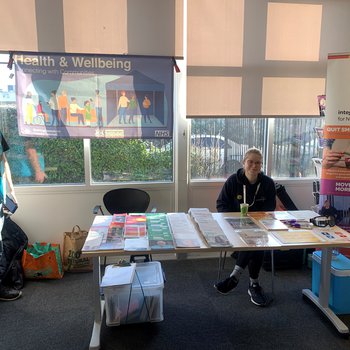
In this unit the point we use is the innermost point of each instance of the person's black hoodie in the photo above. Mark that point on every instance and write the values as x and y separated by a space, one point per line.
260 196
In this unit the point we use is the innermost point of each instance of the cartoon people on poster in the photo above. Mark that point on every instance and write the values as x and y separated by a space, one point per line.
58 108
76 111
123 103
29 109
128 105
98 108
63 106
53 103
132 109
146 104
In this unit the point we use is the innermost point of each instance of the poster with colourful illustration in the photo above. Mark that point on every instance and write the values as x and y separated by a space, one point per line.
94 96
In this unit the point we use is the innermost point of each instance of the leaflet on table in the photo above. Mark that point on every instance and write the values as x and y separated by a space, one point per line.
209 227
116 227
98 239
242 223
298 224
260 215
258 238
185 235
297 236
135 226
140 243
213 234
102 220
158 230
332 234
283 215
273 225
200 214
303 214
134 231
94 239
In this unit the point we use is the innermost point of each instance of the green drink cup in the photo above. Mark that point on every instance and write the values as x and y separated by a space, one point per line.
244 209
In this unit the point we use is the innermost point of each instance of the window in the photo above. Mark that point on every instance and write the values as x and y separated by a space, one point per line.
218 145
295 143
37 160
131 160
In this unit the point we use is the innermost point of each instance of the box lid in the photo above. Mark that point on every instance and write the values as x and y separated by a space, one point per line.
149 274
340 265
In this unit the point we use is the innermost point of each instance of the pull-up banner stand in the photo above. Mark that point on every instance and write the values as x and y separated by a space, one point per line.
336 154
335 177
88 96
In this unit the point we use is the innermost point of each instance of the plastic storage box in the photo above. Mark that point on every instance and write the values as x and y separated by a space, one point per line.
339 294
140 302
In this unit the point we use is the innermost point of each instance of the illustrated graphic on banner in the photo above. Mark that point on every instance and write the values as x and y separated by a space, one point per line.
335 177
67 95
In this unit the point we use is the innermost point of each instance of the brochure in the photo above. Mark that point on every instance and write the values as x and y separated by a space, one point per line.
273 225
296 236
242 223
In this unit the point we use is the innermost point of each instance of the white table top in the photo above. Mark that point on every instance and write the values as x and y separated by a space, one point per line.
270 242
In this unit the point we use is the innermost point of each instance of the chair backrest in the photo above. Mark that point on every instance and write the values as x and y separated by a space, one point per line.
126 200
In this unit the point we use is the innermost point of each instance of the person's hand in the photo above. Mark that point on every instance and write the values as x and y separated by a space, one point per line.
40 177
331 158
13 195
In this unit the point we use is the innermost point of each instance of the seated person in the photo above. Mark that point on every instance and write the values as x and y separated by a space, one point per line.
261 196
76 111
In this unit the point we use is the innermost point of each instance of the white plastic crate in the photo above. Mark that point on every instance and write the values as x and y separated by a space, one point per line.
140 302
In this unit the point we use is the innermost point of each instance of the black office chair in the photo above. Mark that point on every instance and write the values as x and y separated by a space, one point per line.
126 200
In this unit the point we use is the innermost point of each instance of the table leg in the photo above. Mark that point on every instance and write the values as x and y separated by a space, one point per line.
222 259
98 305
322 302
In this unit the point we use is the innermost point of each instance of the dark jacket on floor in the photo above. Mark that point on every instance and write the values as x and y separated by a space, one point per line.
14 242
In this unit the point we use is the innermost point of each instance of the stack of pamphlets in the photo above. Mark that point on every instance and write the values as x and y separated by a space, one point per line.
135 226
273 225
248 230
185 234
116 227
158 230
209 227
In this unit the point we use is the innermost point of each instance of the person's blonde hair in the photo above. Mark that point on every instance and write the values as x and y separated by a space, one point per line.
252 150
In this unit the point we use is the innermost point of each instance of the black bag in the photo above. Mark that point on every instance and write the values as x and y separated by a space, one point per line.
14 242
286 259
283 196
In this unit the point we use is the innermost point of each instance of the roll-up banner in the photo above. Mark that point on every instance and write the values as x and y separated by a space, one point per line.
335 177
